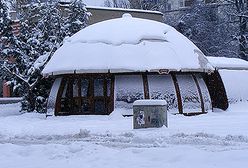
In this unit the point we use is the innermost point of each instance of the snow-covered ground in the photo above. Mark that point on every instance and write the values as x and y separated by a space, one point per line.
218 139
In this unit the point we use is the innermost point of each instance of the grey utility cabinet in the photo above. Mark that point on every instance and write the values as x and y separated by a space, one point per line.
149 113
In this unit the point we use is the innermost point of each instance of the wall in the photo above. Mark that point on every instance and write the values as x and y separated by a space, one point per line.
101 14
104 13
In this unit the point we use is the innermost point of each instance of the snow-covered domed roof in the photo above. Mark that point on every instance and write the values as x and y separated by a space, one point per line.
126 44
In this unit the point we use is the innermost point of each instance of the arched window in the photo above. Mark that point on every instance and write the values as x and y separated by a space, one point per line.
162 87
128 88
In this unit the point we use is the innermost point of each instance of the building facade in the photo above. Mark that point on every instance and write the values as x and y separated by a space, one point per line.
178 4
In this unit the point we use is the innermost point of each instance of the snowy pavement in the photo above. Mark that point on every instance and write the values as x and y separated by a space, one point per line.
218 139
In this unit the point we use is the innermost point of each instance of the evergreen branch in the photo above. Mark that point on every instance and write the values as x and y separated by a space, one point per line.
19 76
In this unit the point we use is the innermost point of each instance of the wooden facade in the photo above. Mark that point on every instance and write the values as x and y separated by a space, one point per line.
217 90
85 94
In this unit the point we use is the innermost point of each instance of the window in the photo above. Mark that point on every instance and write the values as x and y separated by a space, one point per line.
205 94
188 2
185 3
189 94
168 7
128 88
86 95
162 87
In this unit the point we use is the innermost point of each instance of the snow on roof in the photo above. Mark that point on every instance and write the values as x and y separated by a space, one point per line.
150 102
89 2
126 44
228 63
124 9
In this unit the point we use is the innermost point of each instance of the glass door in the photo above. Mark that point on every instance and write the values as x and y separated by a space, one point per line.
86 95
102 98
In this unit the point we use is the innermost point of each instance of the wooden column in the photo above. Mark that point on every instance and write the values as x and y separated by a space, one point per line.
179 98
146 88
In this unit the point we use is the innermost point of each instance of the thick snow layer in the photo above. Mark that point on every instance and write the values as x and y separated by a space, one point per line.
236 84
94 2
123 9
89 2
218 139
150 103
127 44
228 63
8 100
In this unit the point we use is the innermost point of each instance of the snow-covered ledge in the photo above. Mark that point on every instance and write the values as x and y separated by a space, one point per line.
150 102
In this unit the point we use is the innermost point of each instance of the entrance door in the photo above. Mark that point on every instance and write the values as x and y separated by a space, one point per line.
87 95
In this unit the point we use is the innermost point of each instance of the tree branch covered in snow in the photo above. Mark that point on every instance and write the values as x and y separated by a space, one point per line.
210 27
43 27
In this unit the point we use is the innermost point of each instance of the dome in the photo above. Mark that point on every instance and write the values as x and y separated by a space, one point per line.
127 44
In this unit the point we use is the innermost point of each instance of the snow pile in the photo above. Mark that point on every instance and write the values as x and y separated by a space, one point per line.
228 63
109 141
127 44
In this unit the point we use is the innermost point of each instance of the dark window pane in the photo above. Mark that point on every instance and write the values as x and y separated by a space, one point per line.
98 87
85 106
85 87
76 106
65 107
99 107
108 87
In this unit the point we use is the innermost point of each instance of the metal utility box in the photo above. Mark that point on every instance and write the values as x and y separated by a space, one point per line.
149 113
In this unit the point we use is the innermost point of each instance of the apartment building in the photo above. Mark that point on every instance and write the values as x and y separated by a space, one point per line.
180 4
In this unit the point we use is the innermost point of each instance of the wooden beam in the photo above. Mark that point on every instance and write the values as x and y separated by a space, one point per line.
179 98
145 84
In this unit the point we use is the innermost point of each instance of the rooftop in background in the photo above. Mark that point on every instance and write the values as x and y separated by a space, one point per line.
228 63
88 2
105 13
